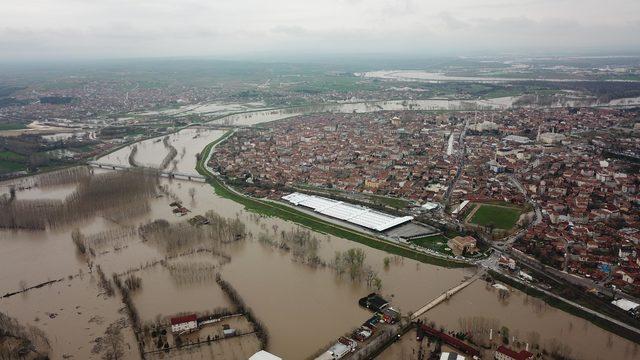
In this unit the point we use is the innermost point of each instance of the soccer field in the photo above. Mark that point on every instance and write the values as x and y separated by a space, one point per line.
501 217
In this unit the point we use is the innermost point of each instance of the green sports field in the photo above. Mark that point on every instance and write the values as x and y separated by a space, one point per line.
502 217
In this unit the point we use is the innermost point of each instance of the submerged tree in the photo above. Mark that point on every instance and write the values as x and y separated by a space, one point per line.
114 342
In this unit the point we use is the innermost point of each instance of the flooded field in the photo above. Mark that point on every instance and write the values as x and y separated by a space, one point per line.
531 321
209 109
72 315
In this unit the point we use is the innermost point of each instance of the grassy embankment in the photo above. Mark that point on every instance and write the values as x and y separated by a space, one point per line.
566 307
287 213
12 126
436 243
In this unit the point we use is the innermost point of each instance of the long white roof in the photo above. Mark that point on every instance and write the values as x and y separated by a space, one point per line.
354 214
625 304
263 355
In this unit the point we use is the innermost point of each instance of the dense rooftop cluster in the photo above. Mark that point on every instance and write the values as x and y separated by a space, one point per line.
579 166
402 154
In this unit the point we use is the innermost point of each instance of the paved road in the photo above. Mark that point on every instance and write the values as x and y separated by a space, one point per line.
463 156
446 295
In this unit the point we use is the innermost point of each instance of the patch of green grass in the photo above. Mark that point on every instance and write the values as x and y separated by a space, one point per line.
12 126
83 148
270 208
390 201
499 216
11 156
437 243
10 166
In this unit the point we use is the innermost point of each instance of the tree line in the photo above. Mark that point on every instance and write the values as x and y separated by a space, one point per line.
94 195
170 155
238 302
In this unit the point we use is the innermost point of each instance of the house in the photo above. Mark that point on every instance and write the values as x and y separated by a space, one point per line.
461 244
373 302
339 350
504 353
495 166
184 324
362 334
390 315
524 276
507 262
228 331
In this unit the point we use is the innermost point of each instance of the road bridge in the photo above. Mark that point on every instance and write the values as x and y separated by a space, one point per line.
445 295
163 173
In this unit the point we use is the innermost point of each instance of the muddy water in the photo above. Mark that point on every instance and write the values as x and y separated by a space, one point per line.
523 315
188 142
72 316
159 293
37 193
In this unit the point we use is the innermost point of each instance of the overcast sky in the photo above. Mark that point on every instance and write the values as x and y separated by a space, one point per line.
33 29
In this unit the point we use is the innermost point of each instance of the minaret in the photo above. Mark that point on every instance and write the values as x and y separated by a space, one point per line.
538 136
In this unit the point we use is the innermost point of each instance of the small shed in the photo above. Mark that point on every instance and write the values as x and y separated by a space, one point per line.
228 331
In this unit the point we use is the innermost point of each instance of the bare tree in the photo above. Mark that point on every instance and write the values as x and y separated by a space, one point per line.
114 342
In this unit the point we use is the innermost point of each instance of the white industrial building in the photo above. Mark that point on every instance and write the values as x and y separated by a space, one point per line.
263 355
354 214
625 304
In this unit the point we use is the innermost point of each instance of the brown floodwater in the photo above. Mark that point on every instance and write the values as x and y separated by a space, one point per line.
71 314
303 308
188 142
524 315
162 296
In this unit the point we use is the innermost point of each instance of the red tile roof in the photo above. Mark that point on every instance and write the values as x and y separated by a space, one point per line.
183 319
522 355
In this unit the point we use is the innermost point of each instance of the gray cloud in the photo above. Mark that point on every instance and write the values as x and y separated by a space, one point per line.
122 28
